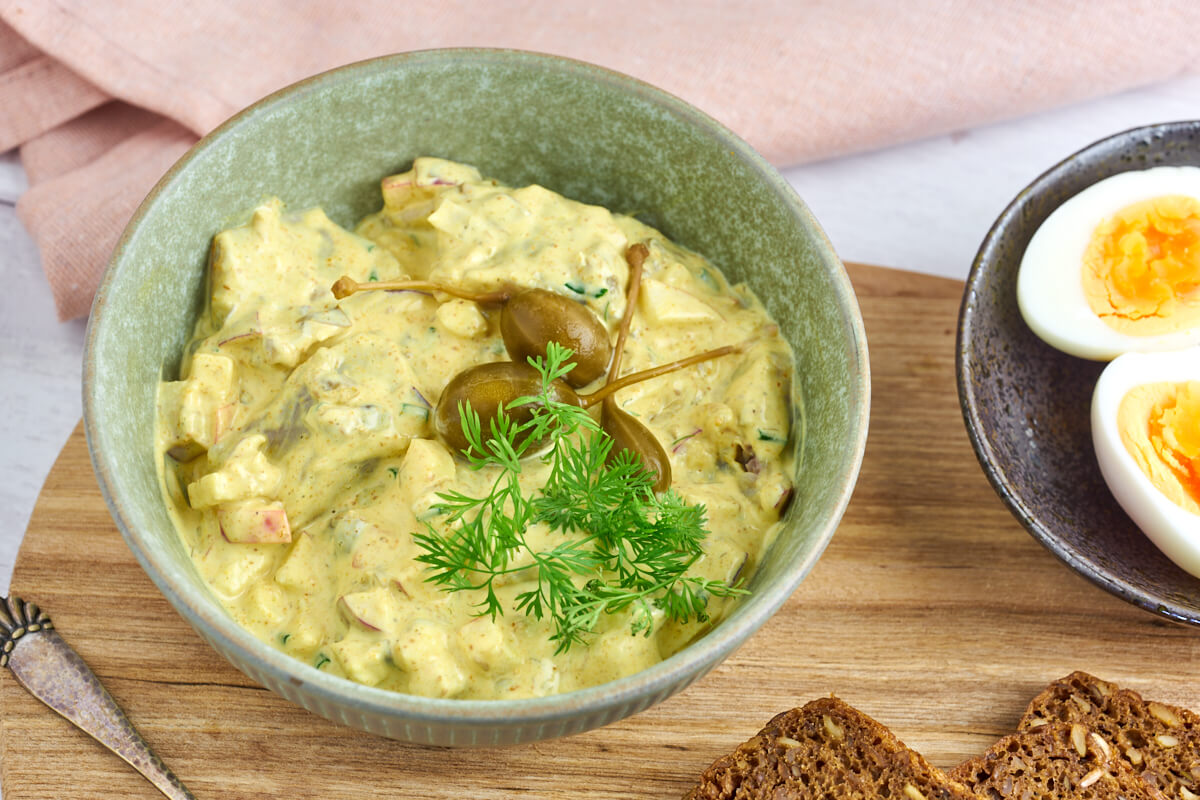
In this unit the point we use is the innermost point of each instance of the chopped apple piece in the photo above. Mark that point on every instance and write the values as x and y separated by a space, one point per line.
286 339
429 171
223 420
663 304
763 415
245 474
207 388
426 469
363 660
485 643
199 409
304 634
546 678
298 570
423 651
462 318
258 522
772 490
375 609
451 217
179 446
237 575
270 603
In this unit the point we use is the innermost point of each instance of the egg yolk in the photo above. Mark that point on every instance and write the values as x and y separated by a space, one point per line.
1160 427
1141 269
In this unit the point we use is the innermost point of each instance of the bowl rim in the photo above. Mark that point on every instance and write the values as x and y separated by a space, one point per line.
965 370
655 682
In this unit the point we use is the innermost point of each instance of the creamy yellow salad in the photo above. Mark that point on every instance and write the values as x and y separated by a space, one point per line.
300 459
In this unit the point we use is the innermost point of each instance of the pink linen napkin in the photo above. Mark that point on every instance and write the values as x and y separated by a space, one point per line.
103 97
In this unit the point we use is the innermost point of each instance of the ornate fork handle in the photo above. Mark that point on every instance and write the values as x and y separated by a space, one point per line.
55 674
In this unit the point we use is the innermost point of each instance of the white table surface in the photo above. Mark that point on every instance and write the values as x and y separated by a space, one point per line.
922 206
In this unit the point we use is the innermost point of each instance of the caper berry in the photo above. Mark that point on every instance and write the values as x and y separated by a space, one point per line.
629 434
487 388
533 318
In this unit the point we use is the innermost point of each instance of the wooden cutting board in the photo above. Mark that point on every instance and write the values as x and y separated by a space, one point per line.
931 610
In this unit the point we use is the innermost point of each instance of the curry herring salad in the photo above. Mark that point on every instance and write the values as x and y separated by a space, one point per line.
494 444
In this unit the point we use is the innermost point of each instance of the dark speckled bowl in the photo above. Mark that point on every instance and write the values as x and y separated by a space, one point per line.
587 132
1027 405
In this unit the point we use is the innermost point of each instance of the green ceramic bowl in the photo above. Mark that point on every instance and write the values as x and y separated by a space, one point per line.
593 135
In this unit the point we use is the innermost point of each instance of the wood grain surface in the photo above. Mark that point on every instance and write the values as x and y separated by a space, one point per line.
932 611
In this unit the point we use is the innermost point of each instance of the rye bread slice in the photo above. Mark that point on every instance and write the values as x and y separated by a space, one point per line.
1160 742
827 749
1053 761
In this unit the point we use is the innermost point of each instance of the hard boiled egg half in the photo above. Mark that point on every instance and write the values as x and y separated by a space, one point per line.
1116 268
1146 431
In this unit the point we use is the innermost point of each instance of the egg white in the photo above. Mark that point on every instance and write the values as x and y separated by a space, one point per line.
1172 528
1050 283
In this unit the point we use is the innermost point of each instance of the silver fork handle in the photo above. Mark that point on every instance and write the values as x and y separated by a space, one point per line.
55 674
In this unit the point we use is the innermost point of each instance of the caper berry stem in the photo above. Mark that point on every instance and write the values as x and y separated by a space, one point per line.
346 286
636 256
589 400
626 432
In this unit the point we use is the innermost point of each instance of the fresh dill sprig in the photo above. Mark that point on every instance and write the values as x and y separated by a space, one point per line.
622 546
